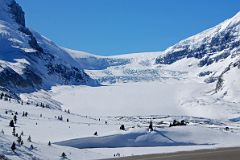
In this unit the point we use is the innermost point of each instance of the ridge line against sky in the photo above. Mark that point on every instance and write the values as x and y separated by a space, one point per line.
110 27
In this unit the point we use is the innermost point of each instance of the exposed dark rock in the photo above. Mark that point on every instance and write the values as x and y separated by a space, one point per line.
18 13
10 79
69 75
207 61
237 64
211 79
223 41
220 79
32 42
19 16
206 73
173 57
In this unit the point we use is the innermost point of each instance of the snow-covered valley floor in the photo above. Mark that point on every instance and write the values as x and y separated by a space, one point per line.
91 112
172 97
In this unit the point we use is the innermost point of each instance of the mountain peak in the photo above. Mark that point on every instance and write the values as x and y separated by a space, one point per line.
11 12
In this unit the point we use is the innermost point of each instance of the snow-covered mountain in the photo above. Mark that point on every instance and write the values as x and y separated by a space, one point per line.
200 73
29 61
196 80
217 53
211 56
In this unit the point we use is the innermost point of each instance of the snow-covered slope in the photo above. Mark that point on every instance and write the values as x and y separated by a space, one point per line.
43 126
202 72
29 61
211 56
135 67
198 77
205 56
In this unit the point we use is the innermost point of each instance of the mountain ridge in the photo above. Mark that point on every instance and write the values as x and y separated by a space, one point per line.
31 62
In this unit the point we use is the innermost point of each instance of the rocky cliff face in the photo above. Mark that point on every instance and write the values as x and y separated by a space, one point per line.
17 13
216 51
209 46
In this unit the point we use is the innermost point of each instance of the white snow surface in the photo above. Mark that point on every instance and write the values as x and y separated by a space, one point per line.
200 133
133 87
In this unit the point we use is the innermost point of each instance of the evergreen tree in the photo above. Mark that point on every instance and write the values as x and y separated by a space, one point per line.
14 131
19 140
31 147
175 122
13 147
64 155
11 124
49 143
29 139
16 135
183 123
15 119
1 96
150 126
122 127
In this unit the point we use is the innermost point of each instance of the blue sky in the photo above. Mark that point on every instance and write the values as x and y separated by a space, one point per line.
108 27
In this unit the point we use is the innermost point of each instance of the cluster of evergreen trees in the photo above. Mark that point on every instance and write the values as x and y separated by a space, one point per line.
5 97
42 105
150 127
60 118
13 124
178 123
19 139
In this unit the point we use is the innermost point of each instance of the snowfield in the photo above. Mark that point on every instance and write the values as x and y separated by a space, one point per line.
78 101
145 98
76 138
